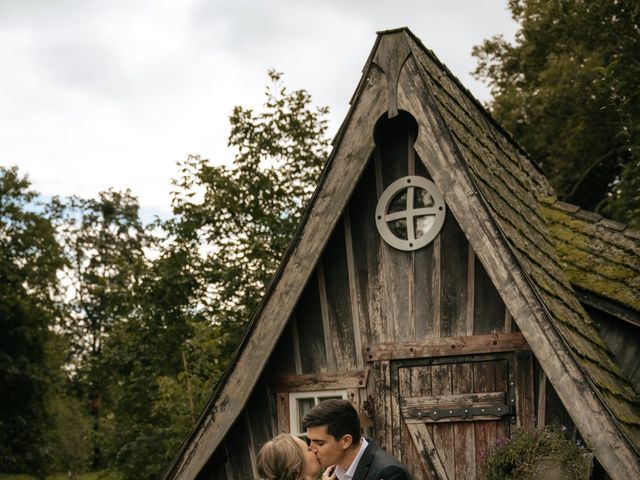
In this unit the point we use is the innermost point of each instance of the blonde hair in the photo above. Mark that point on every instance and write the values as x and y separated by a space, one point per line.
281 458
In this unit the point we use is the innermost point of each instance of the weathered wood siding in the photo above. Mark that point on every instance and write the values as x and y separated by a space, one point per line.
368 306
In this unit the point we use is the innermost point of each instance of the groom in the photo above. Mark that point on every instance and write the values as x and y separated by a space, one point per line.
333 429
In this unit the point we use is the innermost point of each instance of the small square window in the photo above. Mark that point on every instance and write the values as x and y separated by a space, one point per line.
300 403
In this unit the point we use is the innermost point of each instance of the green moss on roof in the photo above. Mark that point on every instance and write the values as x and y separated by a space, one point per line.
552 246
595 258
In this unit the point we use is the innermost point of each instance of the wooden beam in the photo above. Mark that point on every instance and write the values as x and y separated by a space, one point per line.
348 160
447 346
457 399
320 381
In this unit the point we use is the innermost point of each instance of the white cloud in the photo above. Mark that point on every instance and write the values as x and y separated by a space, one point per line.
111 94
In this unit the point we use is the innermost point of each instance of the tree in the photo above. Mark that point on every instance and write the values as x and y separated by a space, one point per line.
30 258
567 90
242 218
230 228
104 242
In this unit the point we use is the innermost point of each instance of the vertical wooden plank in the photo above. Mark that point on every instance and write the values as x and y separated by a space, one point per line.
555 412
353 395
508 321
326 324
411 300
525 406
408 452
238 449
423 273
353 290
489 309
295 340
463 432
258 415
501 375
282 358
485 432
411 153
443 434
391 141
471 289
282 408
251 446
396 417
411 170
338 302
454 278
228 467
367 255
436 281
272 402
542 397
382 404
216 466
310 329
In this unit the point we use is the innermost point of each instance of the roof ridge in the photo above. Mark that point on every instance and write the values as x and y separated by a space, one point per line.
473 99
596 218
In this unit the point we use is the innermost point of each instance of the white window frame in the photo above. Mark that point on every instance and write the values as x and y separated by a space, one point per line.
293 405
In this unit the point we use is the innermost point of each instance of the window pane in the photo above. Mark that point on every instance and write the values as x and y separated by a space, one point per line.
304 405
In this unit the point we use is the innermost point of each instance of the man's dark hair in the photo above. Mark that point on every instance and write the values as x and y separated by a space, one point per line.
338 415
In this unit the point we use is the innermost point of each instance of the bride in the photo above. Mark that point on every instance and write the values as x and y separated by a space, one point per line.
287 457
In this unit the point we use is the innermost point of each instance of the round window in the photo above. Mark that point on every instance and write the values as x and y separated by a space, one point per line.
410 213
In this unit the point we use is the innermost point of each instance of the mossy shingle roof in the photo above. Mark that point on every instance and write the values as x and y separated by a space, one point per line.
598 255
521 201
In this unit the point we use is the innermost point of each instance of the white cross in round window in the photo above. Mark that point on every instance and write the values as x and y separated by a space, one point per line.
410 213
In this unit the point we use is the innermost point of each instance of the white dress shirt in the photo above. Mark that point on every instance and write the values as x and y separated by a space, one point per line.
341 474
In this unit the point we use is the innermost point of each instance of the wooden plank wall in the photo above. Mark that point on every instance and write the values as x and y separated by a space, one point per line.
365 293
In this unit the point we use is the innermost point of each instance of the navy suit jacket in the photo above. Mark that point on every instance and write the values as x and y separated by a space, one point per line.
376 464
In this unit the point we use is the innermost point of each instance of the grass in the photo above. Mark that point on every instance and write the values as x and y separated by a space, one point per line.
101 475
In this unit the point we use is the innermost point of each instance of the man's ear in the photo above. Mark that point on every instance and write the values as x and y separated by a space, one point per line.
347 441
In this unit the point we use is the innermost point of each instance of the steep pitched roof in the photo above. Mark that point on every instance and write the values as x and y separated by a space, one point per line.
512 188
494 191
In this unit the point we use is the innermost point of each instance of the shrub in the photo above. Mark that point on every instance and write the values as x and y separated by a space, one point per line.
518 457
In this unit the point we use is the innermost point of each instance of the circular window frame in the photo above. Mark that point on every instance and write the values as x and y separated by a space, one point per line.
382 223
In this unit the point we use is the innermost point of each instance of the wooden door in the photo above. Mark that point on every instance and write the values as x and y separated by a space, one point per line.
452 414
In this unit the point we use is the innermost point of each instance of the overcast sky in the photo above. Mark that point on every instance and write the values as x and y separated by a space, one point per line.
98 94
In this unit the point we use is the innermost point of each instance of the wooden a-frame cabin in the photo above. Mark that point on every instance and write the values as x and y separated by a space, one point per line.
437 284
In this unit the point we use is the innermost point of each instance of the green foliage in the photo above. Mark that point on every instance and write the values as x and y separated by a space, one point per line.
98 475
143 341
104 242
230 228
567 91
517 457
242 218
70 435
30 257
